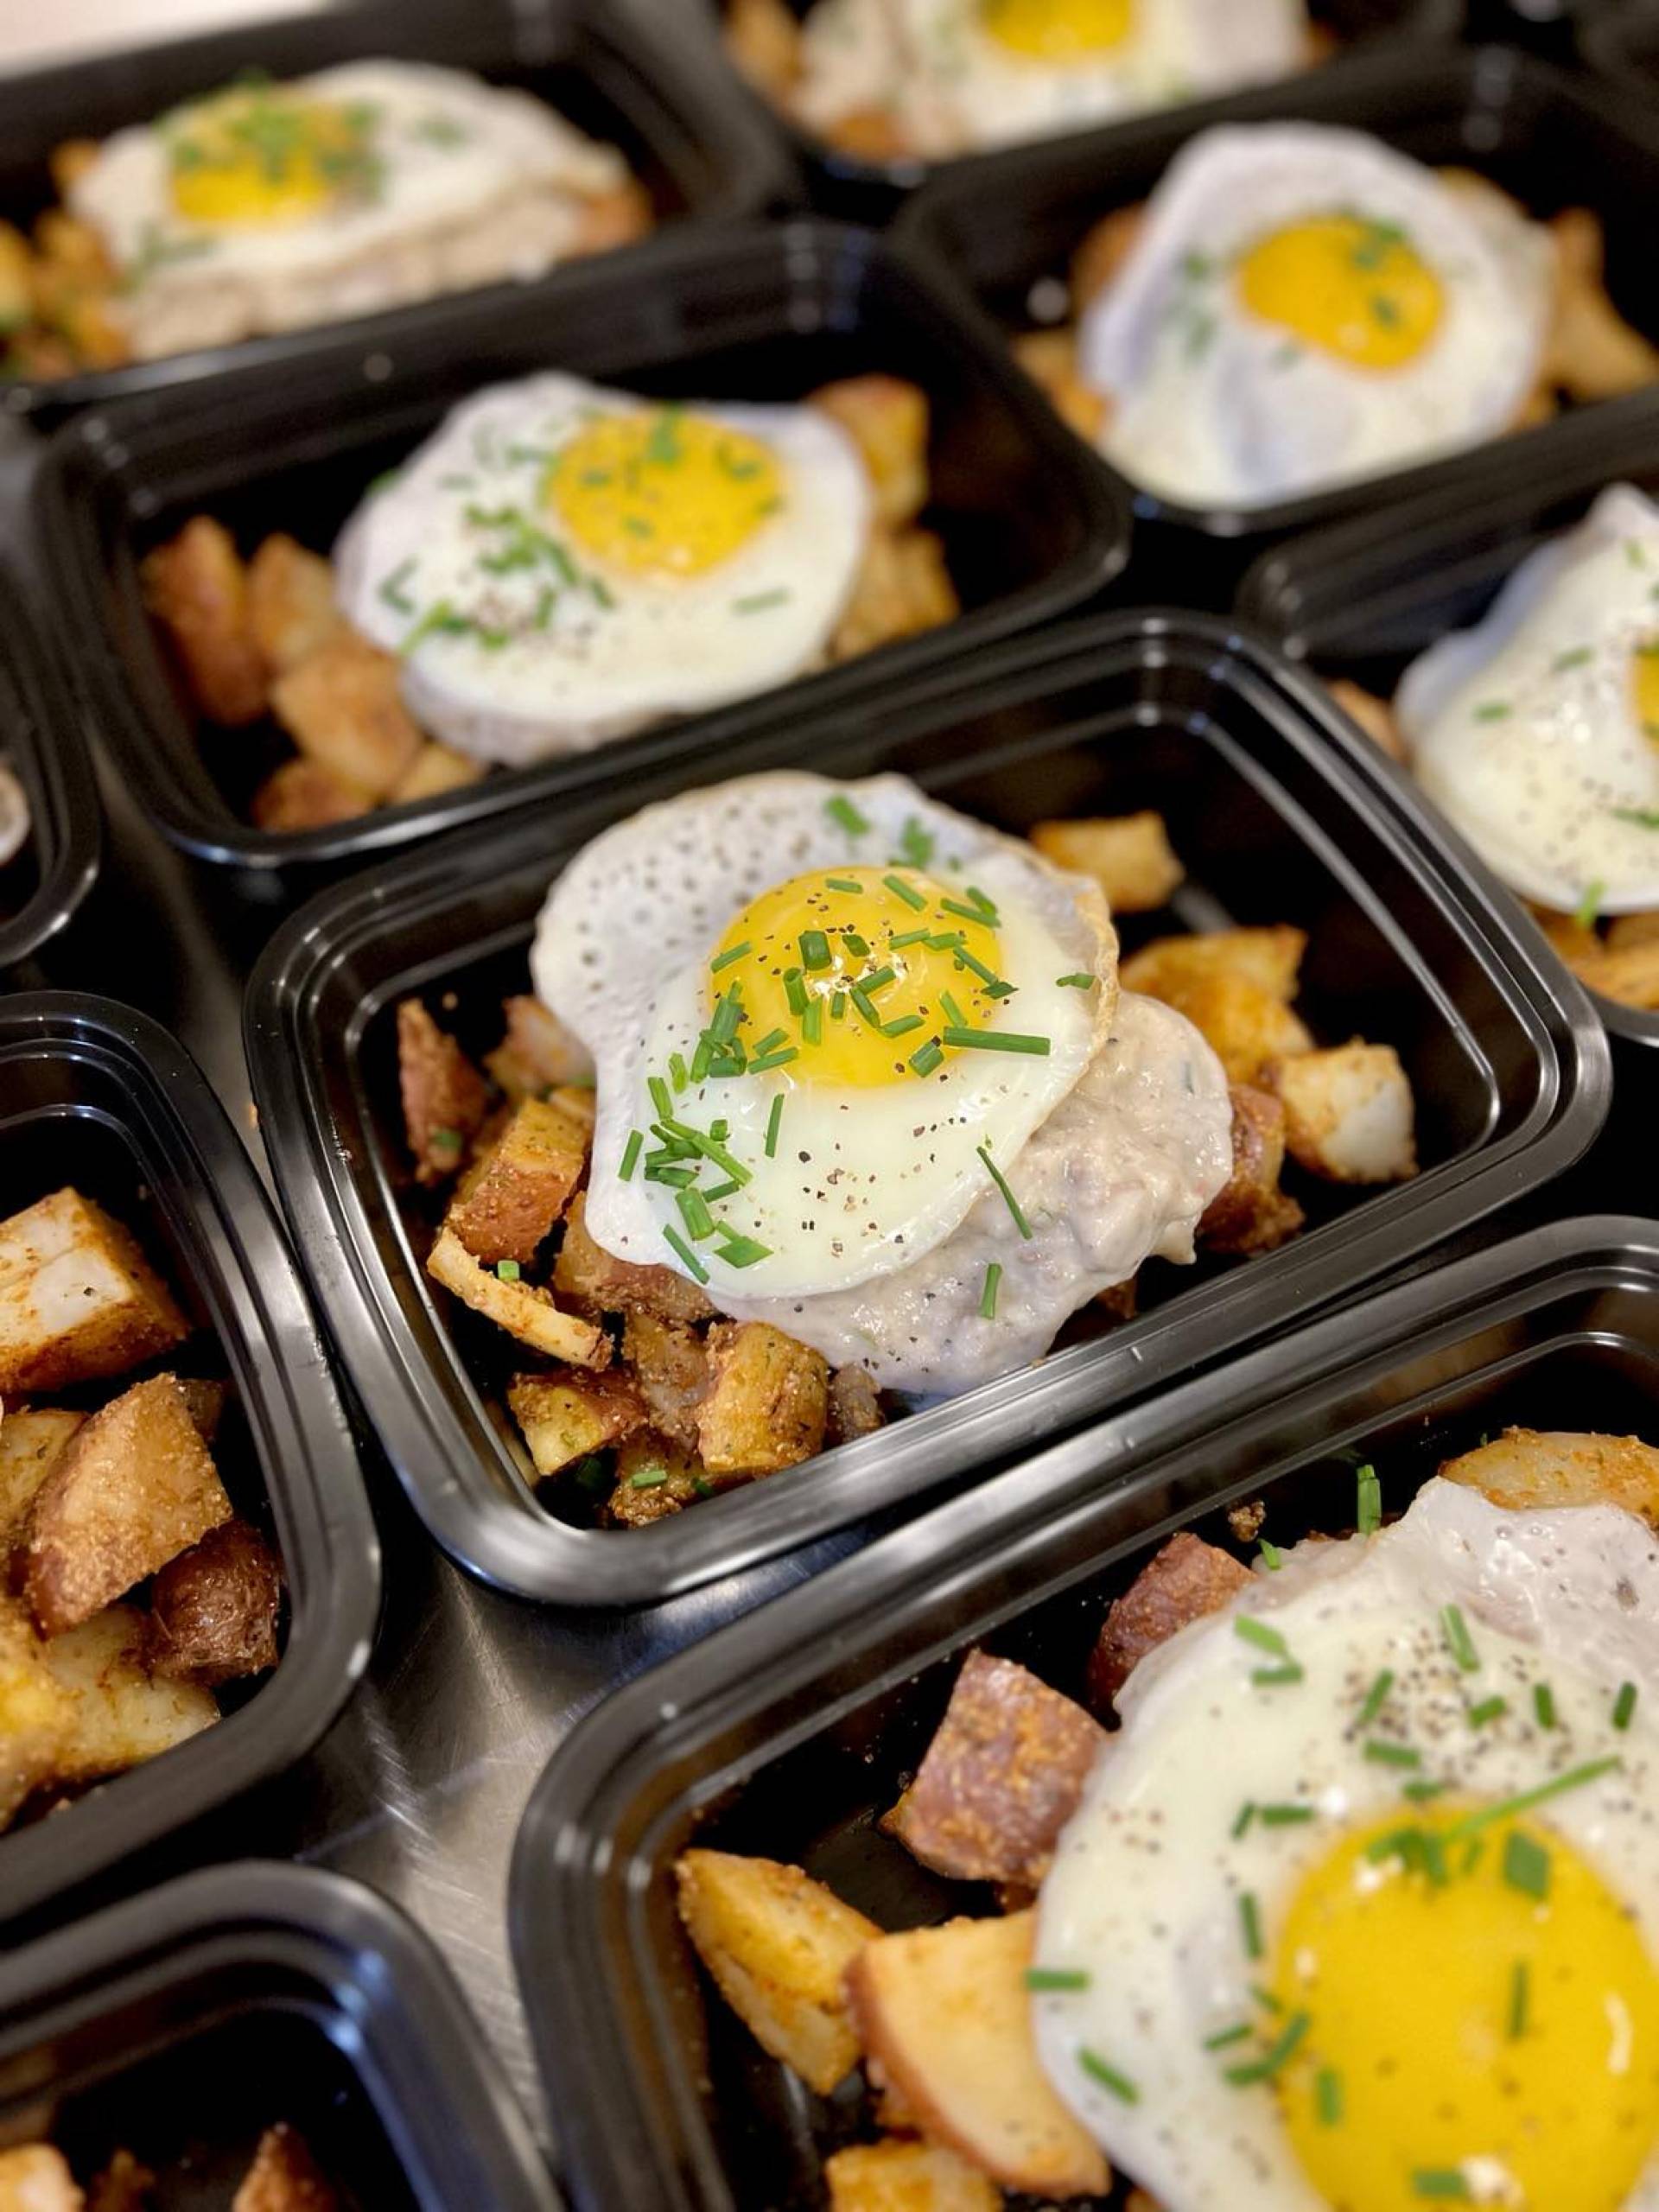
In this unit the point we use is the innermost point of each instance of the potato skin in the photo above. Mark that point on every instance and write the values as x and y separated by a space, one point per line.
213 1611
444 1096
1534 1470
1182 1582
586 1276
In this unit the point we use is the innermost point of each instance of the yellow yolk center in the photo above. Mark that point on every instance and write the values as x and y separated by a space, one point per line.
1644 688
259 157
1353 288
856 976
665 495
1059 30
1459 2023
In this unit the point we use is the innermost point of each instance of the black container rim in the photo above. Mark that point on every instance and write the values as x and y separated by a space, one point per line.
689 257
43 734
517 1548
671 69
308 1459
1337 566
439 2094
1620 38
1323 95
806 1655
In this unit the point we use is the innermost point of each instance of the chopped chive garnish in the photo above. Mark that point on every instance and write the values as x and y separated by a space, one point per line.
1328 2096
864 1005
683 1252
1273 1678
1250 1925
1272 1558
728 1013
842 811
1458 1641
756 602
391 587
1001 1183
1489 1709
953 1012
907 936
651 1477
815 950
1223 2037
916 844
1526 1865
720 1131
659 1097
987 1296
927 1059
1368 1508
1246 1814
1420 1792
795 992
996 987
903 1026
743 1251
694 1212
1472 1853
986 920
987 907
722 1189
1624 1705
1543 1704
677 1072
812 1022
1590 905
855 945
838 1006
1251 1630
843 883
871 984
770 1042
1381 1752
1519 1991
1077 982
1283 1816
997 1040
758 1067
1449 2182
1276 2058
901 889
1057 1978
1108 2077
1492 710
725 959
1375 1697
1576 659
631 1152
507 1270
445 1140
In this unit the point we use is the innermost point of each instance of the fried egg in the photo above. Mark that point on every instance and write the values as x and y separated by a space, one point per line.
958 74
560 564
1305 306
838 1029
266 207
1361 1906
1537 731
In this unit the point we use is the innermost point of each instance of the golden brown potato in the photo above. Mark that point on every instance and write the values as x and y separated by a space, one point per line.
302 794
537 1052
894 2175
36 2178
1244 1026
566 1415
1129 856
197 588
613 219
1100 258
1182 1582
1626 931
1374 716
121 1714
1250 1213
523 1309
587 1277
16 293
291 610
1530 1469
1628 973
853 1407
1349 1113
1269 959
213 1611
671 1370
77 1299
766 1402
444 1096
1593 352
435 769
764 40
284 2177
341 705
69 162
655 1477
133 1488
886 419
778 1945
513 1193
30 1445
36 1715
944 2012
123 2186
903 587
869 134
1001 1778
1049 358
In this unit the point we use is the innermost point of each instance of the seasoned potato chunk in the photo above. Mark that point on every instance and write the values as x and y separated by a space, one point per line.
1129 856
121 1714
778 1945
766 1402
612 219
564 1416
655 1477
522 1309
763 39
1593 352
213 1611
944 2012
886 420
903 587
36 2178
1182 1582
133 1488
197 588
16 293
36 1715
1531 1470
1349 1113
1374 716
123 2185
304 794
434 769
853 1406
284 2177
538 1052
1250 1213
1270 959
444 1096
894 2175
291 608
513 1193
342 706
592 1281
1104 250
671 1370
30 1445
1245 1026
1049 358
77 1299
1002 1776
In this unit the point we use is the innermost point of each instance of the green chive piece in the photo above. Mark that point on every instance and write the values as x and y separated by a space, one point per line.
901 889
683 1252
903 1026
391 587
1375 1697
1420 1792
916 844
1624 1705
864 1005
775 1060
1489 1709
838 1006
856 945
1543 1704
1284 1816
1526 1865
1369 1502
1520 1990
677 1071
953 1012
871 984
694 1212
987 907
1250 1925
1272 1557
986 920
1108 2077
815 950
1057 1978
1328 2096
649 1478
1458 1641
1492 710
795 992
1078 983
771 1041
1265 1999
997 1040
1590 905
907 936
1276 2058
631 1155
507 1270
844 883
812 1023
1251 1630
927 1059
756 602
995 986
722 1190
842 811
1001 1183
659 1097
1445 2182
1379 1753
1273 1678
1576 659
742 1251
1471 1855
725 959
446 1140
1246 1815
1223 2037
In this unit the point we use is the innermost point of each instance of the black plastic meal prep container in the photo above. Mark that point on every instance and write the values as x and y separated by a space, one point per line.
1005 223
619 70
41 890
1280 812
791 1732
870 191
1621 39
764 313
1352 601
179 2027
95 1096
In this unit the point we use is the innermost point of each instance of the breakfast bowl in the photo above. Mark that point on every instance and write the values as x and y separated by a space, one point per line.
437 1137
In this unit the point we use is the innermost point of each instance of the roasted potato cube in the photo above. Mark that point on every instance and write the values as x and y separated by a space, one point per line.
213 1611
1049 358
766 1402
1628 972
945 2013
77 1299
291 608
197 588
672 1373
613 219
435 769
121 1715
778 1945
869 134
36 1715
1627 931
1246 1027
445 1098
30 1445
341 705
538 1053
853 1407
1250 1213
69 162
522 1309
133 1488
36 2178
1105 248
1374 716
894 2175
512 1196
886 420
16 291
565 1416
1349 1113
1593 352
123 2186
655 1477
1184 1581
1129 856
764 40
284 2177
587 1276
302 794
903 587
1001 1778
1534 1470
1269 959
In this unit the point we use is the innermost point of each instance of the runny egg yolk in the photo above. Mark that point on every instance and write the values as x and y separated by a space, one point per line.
259 157
1059 30
669 495
1487 2030
1355 289
858 970
1644 688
